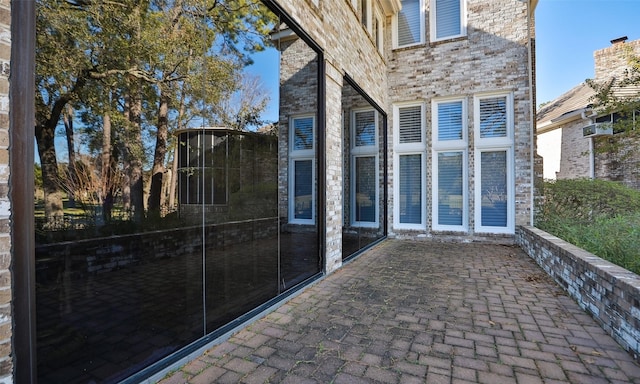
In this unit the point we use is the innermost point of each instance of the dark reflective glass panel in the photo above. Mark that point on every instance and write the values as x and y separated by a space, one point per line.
170 225
363 171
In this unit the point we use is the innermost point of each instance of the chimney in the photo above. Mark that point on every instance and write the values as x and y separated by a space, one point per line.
619 40
612 61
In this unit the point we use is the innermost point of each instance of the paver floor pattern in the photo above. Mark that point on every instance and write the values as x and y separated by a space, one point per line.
422 312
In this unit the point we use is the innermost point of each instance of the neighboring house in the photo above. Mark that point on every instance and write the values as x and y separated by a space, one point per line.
584 131
398 118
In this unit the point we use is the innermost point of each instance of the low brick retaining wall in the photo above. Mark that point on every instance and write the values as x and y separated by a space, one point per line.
611 294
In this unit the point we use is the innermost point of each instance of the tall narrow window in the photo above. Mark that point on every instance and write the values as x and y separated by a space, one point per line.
450 197
365 14
364 162
409 155
302 171
494 189
409 24
447 19
378 31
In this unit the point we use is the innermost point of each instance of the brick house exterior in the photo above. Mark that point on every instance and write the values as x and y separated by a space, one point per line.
464 100
491 56
580 156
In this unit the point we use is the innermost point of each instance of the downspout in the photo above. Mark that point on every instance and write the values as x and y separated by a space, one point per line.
532 114
592 159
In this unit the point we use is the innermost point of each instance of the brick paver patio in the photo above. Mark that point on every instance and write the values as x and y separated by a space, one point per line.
422 312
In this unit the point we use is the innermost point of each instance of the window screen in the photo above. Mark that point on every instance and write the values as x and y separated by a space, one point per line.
450 121
410 191
409 23
448 21
493 117
493 183
450 188
410 125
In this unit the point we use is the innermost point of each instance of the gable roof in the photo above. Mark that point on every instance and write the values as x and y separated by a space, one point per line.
567 107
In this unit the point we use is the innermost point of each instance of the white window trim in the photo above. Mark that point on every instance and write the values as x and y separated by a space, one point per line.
450 146
432 22
464 227
493 141
510 228
379 38
489 145
301 155
409 149
394 34
367 24
364 151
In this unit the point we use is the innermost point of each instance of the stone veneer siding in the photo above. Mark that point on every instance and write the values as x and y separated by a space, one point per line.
6 313
611 294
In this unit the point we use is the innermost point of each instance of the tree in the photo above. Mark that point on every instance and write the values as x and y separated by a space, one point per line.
146 67
620 96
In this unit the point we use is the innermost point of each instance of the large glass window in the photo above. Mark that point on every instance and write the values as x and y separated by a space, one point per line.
494 185
365 168
450 196
409 156
447 19
409 24
364 171
163 192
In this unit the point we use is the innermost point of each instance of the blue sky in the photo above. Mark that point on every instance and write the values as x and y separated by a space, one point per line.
567 34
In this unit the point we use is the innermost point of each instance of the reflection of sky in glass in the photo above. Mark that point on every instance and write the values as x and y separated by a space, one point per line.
365 129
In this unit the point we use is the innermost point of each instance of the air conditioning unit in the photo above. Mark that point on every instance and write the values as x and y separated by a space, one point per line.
597 129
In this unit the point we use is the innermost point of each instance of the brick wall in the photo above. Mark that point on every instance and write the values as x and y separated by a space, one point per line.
612 61
492 57
609 293
574 152
6 364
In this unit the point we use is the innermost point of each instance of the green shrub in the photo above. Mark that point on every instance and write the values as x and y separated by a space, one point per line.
601 217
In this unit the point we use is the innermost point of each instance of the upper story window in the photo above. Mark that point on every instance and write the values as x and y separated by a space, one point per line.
377 31
447 19
409 24
365 14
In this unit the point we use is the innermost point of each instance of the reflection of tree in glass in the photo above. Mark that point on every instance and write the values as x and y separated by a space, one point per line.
134 71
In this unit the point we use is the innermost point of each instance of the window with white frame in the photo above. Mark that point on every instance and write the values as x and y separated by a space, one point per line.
409 23
447 19
409 158
364 168
302 170
365 14
450 197
378 30
494 164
